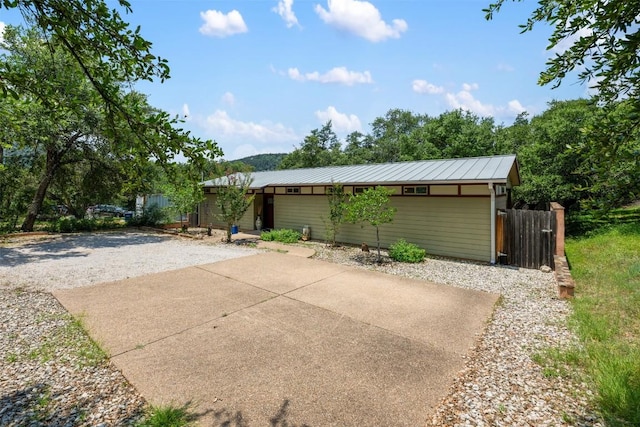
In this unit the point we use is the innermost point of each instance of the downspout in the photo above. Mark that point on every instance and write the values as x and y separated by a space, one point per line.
493 223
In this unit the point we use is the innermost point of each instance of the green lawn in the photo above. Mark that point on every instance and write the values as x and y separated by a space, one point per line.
606 268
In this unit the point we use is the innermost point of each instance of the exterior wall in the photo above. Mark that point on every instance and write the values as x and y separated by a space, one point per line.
448 226
209 212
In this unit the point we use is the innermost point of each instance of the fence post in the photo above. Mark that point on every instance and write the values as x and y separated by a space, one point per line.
559 210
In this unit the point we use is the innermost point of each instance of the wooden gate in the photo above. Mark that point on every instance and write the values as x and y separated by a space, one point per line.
526 238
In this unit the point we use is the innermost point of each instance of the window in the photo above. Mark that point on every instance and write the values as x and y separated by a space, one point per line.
293 190
360 190
419 190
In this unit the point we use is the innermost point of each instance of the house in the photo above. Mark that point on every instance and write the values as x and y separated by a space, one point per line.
447 207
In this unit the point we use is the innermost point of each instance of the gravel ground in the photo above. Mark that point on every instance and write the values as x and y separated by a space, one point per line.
61 385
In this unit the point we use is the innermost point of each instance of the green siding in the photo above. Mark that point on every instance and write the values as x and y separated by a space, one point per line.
209 215
449 226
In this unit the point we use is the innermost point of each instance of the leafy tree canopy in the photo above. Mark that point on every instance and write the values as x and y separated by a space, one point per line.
598 38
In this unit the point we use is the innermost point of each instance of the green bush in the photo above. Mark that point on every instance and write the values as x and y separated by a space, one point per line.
406 252
152 216
72 225
283 235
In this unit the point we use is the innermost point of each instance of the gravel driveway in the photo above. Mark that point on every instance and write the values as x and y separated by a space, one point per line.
85 259
501 385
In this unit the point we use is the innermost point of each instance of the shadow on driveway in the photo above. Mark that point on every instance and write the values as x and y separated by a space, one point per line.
73 245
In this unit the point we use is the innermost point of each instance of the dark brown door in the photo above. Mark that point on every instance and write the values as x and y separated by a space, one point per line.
267 221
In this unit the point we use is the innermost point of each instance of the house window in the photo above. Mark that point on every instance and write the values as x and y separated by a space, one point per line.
360 190
418 190
293 190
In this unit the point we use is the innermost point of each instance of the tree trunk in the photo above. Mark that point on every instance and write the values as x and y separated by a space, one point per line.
38 197
229 225
54 161
378 239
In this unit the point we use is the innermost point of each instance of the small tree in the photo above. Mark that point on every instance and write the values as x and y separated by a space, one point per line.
232 199
337 211
371 206
184 198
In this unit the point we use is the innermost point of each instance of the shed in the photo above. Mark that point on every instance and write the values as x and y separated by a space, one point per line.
447 207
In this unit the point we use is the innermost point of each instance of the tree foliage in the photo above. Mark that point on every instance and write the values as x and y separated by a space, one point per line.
232 199
59 119
600 39
371 207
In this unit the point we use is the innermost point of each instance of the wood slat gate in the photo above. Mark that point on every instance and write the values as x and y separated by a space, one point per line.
526 238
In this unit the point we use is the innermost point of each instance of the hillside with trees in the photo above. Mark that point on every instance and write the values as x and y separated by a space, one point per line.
263 162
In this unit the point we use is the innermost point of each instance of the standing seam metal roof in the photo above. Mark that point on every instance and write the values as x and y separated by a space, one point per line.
495 169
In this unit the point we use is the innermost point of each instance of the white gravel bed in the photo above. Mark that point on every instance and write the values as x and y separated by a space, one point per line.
85 259
500 385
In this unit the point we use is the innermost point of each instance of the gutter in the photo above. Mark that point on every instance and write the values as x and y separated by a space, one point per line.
493 223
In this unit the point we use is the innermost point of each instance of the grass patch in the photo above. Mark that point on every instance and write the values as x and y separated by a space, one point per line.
283 235
606 268
70 334
167 416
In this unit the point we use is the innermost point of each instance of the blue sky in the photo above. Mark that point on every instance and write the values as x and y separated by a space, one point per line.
257 76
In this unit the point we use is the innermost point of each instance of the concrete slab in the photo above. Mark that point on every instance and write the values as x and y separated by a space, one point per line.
326 369
278 337
439 315
132 313
275 272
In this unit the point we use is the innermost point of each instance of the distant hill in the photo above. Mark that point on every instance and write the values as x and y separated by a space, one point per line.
263 162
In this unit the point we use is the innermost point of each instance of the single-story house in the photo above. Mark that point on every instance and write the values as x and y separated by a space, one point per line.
447 207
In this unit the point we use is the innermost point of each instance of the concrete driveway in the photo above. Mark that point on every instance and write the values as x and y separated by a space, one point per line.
274 339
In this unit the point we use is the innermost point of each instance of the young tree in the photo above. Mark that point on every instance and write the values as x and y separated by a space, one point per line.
372 206
232 199
337 199
183 193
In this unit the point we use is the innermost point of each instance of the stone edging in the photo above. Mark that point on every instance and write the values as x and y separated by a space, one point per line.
565 282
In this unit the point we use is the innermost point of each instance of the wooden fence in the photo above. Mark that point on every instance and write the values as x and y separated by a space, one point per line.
526 238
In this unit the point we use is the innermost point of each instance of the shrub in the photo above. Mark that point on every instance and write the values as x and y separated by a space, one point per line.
406 252
73 225
283 235
152 216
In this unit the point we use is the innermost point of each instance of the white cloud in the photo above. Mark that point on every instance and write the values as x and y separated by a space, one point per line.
185 111
221 126
336 75
342 123
218 24
423 86
565 44
465 100
360 18
285 10
505 67
228 99
2 26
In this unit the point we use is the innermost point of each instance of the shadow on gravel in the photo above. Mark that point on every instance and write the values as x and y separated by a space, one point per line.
37 405
77 245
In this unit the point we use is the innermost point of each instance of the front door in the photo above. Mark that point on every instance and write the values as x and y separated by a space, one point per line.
267 221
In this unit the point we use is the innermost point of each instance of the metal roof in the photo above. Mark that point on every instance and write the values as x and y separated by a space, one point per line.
495 169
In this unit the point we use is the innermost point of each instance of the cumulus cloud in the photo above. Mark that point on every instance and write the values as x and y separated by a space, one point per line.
222 126
342 123
339 75
285 10
465 100
360 18
217 24
423 86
